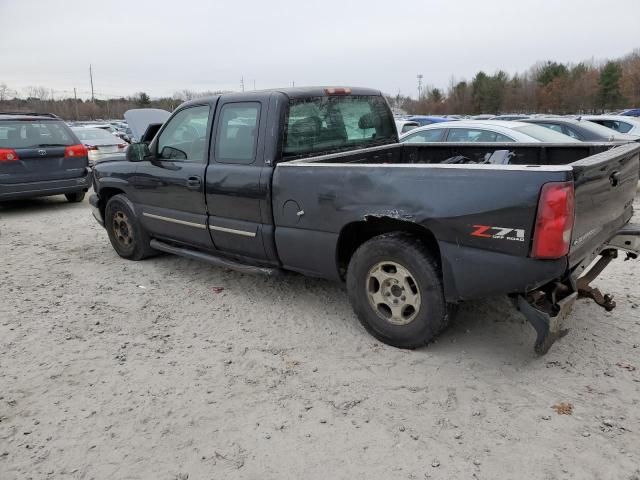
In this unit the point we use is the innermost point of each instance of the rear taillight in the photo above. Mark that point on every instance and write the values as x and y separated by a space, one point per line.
122 146
75 151
8 155
554 221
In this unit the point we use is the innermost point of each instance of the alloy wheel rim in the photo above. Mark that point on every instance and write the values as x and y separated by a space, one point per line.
393 293
122 229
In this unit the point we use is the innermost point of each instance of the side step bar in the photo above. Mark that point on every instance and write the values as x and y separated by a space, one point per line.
212 259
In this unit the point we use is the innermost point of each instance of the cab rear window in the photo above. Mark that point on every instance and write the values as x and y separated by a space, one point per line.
320 125
34 133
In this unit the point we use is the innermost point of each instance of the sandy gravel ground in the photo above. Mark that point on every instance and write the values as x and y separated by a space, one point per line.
112 369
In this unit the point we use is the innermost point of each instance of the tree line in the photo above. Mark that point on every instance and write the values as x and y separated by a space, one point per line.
41 100
547 87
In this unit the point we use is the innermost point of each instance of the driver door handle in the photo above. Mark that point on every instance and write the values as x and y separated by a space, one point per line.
194 182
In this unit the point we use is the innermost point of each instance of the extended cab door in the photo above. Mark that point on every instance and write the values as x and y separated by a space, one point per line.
170 185
238 181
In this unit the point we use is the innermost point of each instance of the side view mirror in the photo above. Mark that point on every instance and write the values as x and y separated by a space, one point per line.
137 152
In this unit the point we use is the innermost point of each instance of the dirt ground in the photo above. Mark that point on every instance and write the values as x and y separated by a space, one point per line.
112 369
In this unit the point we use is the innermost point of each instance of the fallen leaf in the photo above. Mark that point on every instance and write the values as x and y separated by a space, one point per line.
626 366
563 408
217 289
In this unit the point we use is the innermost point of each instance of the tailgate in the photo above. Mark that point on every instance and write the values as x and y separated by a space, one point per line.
605 186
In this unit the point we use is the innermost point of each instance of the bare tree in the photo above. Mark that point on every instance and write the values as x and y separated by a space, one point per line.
4 92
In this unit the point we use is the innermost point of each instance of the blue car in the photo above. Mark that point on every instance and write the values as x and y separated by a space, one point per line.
632 112
428 120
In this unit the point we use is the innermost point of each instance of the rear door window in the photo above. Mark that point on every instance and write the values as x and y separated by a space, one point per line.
237 133
432 135
463 135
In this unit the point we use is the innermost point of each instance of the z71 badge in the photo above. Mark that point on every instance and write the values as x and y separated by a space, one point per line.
499 233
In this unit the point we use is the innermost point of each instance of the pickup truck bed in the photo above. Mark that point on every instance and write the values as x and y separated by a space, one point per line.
314 181
352 190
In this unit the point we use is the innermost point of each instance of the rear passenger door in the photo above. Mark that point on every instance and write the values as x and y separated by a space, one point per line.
237 180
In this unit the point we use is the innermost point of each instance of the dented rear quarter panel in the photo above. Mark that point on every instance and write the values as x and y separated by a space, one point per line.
449 201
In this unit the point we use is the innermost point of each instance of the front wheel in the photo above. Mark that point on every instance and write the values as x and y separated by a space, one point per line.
127 236
396 291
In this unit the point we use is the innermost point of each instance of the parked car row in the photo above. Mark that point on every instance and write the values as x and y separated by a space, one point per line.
520 128
623 126
484 131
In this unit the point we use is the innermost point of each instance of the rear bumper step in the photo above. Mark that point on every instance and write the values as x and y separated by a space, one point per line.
627 239
212 259
547 307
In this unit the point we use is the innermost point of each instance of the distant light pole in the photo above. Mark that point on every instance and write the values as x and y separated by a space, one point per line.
75 97
91 78
419 86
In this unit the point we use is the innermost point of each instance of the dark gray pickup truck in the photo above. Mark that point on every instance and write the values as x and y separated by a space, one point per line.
313 180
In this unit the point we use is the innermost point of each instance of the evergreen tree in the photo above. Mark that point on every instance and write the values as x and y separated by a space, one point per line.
609 86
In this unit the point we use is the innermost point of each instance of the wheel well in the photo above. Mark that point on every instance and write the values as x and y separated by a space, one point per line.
355 234
105 194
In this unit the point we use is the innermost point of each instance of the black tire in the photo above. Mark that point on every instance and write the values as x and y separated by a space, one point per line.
406 252
75 197
127 236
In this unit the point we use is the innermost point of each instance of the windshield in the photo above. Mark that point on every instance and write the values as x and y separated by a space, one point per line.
600 130
544 134
320 125
95 134
34 133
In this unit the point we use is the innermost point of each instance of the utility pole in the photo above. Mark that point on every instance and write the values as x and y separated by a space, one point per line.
419 86
254 84
75 96
242 83
91 78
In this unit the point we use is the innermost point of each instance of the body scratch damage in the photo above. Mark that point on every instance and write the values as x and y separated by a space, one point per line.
392 214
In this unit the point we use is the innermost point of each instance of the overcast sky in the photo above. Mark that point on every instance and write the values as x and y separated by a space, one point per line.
164 46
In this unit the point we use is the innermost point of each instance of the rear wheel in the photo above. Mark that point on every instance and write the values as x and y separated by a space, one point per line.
75 197
396 291
127 236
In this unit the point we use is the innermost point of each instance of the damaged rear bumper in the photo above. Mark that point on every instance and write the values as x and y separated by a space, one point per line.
547 308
